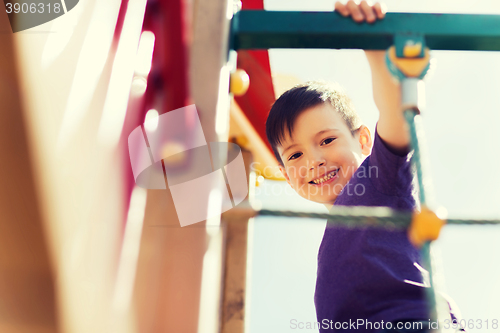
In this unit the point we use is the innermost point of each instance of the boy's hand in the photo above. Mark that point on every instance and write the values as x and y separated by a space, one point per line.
391 126
361 12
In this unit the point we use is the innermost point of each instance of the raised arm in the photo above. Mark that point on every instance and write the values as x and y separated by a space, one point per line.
392 126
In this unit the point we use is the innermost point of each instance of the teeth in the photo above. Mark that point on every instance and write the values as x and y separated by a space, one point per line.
325 178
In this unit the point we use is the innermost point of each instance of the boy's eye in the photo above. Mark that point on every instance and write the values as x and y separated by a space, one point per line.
297 155
327 141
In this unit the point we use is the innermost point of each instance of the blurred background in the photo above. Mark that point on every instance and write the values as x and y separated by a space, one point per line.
83 249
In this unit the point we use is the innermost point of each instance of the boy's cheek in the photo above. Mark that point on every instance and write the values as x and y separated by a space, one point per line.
298 173
285 174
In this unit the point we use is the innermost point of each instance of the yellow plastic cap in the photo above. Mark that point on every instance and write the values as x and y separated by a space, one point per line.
239 83
425 226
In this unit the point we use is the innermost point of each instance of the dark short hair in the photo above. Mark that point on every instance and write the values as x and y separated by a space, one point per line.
293 102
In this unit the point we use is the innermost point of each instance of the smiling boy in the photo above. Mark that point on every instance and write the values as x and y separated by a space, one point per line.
325 141
328 156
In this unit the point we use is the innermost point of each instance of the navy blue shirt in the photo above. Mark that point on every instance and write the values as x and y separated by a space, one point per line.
371 274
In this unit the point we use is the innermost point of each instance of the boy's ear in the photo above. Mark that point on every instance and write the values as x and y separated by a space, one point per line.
365 140
283 171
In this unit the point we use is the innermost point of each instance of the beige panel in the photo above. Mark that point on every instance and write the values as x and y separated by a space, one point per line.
209 80
65 67
169 274
235 264
27 301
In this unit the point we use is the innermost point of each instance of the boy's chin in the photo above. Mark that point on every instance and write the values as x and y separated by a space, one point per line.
323 195
321 199
327 201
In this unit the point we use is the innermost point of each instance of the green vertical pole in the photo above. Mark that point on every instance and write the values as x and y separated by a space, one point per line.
416 137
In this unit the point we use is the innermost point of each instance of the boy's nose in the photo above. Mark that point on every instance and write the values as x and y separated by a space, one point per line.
315 164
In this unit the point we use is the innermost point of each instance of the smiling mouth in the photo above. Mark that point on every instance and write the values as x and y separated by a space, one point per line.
327 178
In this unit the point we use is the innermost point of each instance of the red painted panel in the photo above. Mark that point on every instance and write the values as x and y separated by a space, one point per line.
257 102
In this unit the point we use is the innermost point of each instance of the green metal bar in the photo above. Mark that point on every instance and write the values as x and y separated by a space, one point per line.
258 29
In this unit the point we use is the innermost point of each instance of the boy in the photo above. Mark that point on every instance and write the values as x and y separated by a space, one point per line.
366 278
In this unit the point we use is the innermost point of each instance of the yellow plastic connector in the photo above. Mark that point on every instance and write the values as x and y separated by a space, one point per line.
410 67
412 50
239 83
425 226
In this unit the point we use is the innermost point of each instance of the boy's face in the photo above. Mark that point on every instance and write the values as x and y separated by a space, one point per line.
322 146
